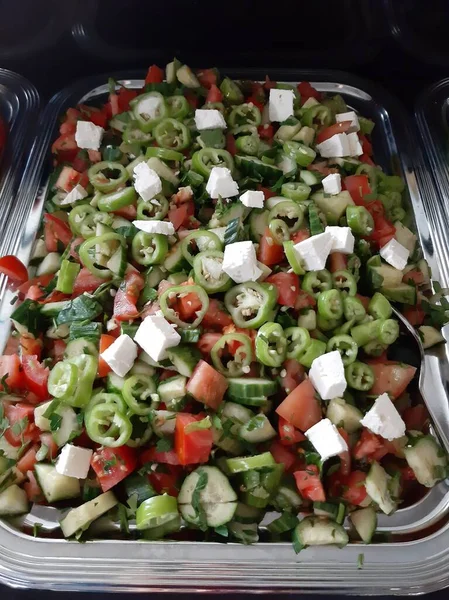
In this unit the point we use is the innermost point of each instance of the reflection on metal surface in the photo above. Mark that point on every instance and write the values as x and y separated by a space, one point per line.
416 557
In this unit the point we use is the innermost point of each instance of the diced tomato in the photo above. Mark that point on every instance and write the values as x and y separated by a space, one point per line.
86 282
125 95
166 480
322 168
192 447
416 417
384 230
216 317
214 94
191 98
282 455
54 296
207 385
288 288
188 306
58 350
364 158
207 78
288 435
328 132
367 147
307 91
36 376
55 230
127 212
369 445
233 346
294 374
69 178
111 465
309 484
169 457
155 75
337 261
365 300
41 281
30 345
112 107
126 297
80 162
266 132
301 407
358 186
47 439
10 367
207 341
14 269
74 248
414 277
23 414
12 346
178 215
350 487
28 460
95 115
65 148
414 314
269 85
392 378
32 489
257 101
230 144
103 367
301 235
94 155
266 191
304 300
269 252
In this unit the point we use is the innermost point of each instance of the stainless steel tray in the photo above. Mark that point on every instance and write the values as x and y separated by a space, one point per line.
416 557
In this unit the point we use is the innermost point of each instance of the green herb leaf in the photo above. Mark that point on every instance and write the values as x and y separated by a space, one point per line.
360 561
198 425
55 421
233 232
36 529
256 422
222 530
165 444
83 308
3 383
123 518
196 500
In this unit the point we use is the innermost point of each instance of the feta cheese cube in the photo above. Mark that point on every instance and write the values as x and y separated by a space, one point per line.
336 146
209 119
349 116
326 439
74 461
147 182
332 184
395 254
155 335
220 183
212 267
355 147
342 239
252 199
280 105
150 107
314 251
121 355
287 164
78 193
240 262
383 419
88 135
327 375
161 227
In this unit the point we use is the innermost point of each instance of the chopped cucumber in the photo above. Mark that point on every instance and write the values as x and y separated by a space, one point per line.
80 518
405 237
80 346
336 512
185 76
258 222
333 207
313 531
52 309
69 426
13 501
55 486
248 514
377 488
257 430
430 336
172 389
50 264
164 422
247 533
427 459
184 358
365 523
251 387
114 383
344 415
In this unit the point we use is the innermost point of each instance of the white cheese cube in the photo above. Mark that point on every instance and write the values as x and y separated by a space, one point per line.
155 335
252 199
209 119
147 182
383 419
88 135
355 147
280 106
314 251
287 164
161 227
332 184
342 239
78 193
395 254
349 116
121 355
240 262
327 375
326 439
150 107
212 267
220 183
336 146
74 461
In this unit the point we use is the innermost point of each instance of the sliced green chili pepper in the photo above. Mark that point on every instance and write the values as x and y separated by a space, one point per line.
258 487
379 307
170 297
136 392
359 376
353 266
397 213
141 431
117 200
279 231
148 210
149 248
134 135
290 212
374 348
353 308
324 324
248 144
107 176
245 114
66 276
271 345
149 109
294 260
106 398
389 331
345 282
251 304
346 346
164 154
315 282
296 190
106 426
87 370
238 360
205 159
62 380
298 339
372 173
206 266
172 134
345 329
178 107
232 94
366 332
300 153
314 349
78 216
157 512
330 304
318 114
359 220
89 251
199 241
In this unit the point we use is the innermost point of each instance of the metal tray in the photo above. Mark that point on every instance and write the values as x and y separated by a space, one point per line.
19 102
416 557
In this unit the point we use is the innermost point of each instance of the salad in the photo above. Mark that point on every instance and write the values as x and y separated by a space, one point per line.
204 337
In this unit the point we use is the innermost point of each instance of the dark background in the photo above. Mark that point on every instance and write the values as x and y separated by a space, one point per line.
401 44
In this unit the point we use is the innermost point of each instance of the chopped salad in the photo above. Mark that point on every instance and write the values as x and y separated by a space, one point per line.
203 337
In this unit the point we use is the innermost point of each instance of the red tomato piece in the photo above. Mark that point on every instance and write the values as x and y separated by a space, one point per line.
56 231
95 115
47 439
192 447
188 306
32 489
69 178
10 368
367 147
416 417
301 235
127 212
125 96
152 455
103 367
392 378
266 132
257 101
350 487
288 288
282 455
155 75
369 446
58 350
307 91
301 407
304 300
30 346
65 148
294 374
230 144
28 460
332 130
126 297
414 277
309 484
365 300
166 481
358 186
24 414
235 345
270 253
36 376
364 158
337 261
267 192
207 385
216 317
86 282
41 281
207 341
177 216
208 78
288 435
14 269
111 465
